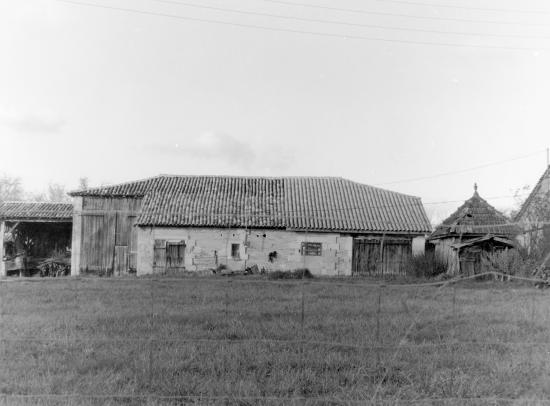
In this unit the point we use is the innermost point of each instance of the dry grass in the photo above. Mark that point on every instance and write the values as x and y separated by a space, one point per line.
92 337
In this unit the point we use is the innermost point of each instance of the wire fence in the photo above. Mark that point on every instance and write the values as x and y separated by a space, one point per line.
250 340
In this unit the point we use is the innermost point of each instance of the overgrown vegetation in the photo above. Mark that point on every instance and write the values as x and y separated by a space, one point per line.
235 342
427 265
302 273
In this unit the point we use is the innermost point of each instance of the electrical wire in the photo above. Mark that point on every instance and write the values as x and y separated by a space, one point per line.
345 23
503 10
295 31
382 13
460 170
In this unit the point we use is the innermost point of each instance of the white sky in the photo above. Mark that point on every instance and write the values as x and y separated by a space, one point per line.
116 96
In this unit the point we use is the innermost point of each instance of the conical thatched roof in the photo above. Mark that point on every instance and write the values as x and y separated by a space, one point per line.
475 217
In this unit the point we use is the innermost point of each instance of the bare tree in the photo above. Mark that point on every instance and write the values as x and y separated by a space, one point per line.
83 183
57 193
36 197
10 188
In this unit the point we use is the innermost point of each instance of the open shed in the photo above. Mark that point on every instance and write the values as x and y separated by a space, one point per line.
477 255
471 235
31 232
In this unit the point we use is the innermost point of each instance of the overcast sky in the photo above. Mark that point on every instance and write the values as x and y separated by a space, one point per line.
116 95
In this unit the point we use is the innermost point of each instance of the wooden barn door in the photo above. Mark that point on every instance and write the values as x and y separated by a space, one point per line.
366 257
125 243
97 252
380 257
396 255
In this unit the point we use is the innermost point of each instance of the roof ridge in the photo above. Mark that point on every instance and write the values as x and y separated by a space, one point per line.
34 202
251 176
70 193
535 191
382 189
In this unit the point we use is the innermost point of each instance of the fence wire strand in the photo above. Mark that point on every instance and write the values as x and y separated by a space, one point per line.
376 346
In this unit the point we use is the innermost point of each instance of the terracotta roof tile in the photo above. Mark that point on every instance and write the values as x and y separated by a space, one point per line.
475 217
19 211
522 214
299 203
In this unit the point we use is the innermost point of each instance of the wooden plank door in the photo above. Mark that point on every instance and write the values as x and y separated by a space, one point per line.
121 260
97 252
366 257
396 255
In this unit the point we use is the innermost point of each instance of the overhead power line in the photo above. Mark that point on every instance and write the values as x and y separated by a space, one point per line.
296 31
460 170
501 10
382 13
346 23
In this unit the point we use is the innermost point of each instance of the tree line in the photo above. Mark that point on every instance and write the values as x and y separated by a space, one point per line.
11 189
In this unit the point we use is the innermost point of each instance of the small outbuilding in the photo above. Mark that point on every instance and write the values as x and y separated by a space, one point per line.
32 232
470 237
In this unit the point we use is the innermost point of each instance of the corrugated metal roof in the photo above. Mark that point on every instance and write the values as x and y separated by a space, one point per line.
475 217
312 203
19 211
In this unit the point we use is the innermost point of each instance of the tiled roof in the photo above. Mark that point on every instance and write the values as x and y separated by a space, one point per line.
134 188
299 203
19 211
481 240
532 196
475 217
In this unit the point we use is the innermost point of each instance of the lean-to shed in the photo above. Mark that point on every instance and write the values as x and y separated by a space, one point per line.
31 232
474 231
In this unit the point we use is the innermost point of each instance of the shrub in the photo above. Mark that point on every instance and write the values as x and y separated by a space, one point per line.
220 268
509 262
427 265
296 274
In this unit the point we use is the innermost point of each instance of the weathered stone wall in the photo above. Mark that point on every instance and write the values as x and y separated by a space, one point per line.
206 248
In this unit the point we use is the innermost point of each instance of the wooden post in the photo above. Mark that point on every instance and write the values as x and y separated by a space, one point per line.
453 349
3 271
302 320
378 313
381 255
151 337
76 239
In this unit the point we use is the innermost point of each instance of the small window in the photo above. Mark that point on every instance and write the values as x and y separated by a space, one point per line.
311 248
236 251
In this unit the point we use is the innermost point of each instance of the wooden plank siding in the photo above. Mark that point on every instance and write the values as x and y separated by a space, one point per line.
108 236
383 256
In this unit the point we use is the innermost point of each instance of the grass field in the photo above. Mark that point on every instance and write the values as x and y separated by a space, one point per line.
245 341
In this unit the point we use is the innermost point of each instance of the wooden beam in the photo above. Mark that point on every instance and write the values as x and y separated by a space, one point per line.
3 272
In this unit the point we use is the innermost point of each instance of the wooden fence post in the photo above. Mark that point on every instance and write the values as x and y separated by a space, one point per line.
378 313
3 271
151 337
454 344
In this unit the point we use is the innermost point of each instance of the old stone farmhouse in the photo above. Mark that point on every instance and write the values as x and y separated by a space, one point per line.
332 226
